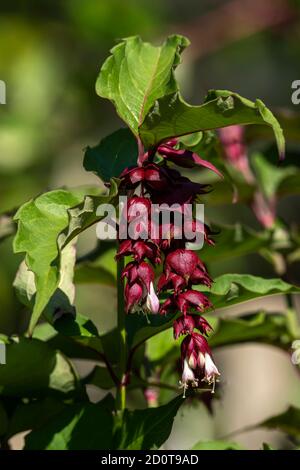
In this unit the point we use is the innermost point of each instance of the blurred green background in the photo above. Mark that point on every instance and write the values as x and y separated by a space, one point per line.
50 55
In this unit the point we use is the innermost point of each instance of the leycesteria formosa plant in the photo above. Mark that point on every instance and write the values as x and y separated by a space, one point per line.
154 180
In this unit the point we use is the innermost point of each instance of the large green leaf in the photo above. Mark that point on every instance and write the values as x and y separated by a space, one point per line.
43 231
226 290
114 153
61 302
148 429
139 328
81 329
275 329
267 328
171 116
24 285
230 289
137 73
79 427
39 223
71 333
32 368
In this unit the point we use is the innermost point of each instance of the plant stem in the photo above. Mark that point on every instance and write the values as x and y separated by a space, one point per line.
121 389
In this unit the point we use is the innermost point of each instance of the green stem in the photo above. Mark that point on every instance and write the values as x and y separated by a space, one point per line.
121 388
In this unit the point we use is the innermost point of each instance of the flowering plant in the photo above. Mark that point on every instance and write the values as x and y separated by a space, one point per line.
164 164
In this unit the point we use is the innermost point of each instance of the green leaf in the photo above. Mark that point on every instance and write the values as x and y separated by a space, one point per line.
171 116
191 141
39 223
100 377
275 329
137 73
288 422
79 427
81 329
79 337
33 415
261 327
148 429
216 445
24 285
32 368
112 155
43 232
62 299
229 289
139 328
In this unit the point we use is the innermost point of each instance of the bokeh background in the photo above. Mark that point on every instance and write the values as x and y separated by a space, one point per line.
50 55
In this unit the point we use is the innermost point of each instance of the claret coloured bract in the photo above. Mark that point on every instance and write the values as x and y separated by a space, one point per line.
172 292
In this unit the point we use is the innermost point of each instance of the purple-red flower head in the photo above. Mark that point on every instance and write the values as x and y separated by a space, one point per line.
187 264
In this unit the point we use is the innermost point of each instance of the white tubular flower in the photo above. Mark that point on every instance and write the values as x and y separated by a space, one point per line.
187 378
211 371
152 301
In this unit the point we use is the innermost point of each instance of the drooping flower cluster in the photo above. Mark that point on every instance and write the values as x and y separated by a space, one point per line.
152 187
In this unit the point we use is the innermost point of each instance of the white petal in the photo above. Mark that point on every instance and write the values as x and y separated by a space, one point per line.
187 373
211 370
152 301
